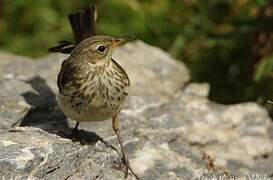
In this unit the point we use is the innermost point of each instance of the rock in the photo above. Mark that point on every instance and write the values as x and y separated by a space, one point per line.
170 129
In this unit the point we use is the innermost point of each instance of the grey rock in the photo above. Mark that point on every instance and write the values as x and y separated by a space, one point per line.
169 127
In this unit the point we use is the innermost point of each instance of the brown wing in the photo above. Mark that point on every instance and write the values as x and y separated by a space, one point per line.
65 75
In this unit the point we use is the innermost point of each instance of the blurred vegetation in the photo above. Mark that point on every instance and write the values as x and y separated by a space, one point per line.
228 43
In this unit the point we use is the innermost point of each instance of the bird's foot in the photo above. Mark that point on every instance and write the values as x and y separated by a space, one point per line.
75 136
125 166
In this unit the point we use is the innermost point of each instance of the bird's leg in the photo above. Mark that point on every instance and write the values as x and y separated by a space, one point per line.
125 161
75 131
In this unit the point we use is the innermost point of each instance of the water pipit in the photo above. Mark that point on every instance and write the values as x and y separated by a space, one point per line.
93 86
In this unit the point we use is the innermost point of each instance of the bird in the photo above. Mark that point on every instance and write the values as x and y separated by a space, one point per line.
92 85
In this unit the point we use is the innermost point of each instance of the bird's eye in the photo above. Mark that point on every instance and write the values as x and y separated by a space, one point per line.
101 49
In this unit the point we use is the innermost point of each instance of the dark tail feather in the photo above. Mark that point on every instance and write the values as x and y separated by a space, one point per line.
74 20
88 21
63 47
83 24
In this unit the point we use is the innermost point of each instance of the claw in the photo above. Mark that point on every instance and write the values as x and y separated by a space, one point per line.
124 160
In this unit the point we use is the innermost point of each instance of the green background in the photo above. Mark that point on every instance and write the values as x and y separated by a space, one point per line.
228 43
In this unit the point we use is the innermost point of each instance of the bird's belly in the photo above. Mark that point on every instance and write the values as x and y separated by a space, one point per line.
85 111
99 98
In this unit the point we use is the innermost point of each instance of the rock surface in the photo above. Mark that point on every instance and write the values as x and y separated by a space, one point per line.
169 127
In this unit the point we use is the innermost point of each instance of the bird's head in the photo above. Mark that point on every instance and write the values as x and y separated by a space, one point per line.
99 48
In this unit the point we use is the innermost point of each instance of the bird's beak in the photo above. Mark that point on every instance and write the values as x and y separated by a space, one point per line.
118 41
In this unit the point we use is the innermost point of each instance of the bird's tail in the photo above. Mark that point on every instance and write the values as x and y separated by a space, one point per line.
83 24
